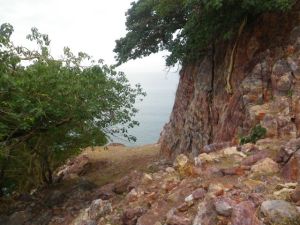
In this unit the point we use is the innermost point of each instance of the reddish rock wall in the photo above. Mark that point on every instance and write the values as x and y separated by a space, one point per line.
265 82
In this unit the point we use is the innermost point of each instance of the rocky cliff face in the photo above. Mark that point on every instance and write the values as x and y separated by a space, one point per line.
265 89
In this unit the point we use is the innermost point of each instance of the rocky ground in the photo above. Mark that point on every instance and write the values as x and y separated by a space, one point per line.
237 185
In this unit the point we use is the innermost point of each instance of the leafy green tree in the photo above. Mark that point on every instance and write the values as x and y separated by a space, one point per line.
187 28
51 108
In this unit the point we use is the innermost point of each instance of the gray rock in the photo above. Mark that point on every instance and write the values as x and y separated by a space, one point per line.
223 207
99 208
279 211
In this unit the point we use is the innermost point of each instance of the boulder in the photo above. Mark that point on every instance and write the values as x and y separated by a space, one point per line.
97 209
181 161
251 160
203 158
224 206
256 198
244 213
291 170
206 214
232 151
134 195
173 219
127 183
130 216
287 150
264 167
295 196
156 214
233 171
170 170
249 147
216 189
198 194
279 211
75 167
121 185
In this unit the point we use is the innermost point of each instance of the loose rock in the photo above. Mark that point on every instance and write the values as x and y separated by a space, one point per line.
265 167
279 211
244 214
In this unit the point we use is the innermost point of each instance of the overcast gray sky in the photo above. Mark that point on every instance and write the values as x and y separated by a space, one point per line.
91 26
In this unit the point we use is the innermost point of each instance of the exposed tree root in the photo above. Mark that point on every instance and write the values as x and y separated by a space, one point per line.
232 58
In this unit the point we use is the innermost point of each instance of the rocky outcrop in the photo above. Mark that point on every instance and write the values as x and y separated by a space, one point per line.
216 188
265 83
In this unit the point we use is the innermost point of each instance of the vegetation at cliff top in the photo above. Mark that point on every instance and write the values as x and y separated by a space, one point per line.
50 108
187 28
257 132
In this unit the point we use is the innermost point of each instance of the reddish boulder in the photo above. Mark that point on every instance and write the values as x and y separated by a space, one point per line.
198 194
130 216
173 219
295 196
291 170
244 214
251 160
288 150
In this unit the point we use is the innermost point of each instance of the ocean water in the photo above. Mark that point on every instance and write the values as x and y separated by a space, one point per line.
155 109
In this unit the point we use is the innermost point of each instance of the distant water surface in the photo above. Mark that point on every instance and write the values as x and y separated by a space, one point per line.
155 109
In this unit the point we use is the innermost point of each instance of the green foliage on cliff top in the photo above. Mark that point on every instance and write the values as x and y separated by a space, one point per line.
258 132
186 28
50 108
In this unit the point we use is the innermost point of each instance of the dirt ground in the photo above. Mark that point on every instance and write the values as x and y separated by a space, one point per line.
113 162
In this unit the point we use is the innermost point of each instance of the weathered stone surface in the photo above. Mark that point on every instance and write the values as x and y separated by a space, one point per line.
127 183
77 166
288 149
206 214
250 160
295 196
216 147
173 219
97 209
244 214
134 195
198 194
224 206
265 86
157 213
204 157
279 211
265 166
256 198
185 206
122 185
130 216
291 170
233 171
249 147
181 161
216 189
